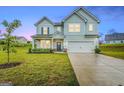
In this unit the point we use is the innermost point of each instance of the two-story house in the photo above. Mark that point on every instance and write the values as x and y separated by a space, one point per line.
77 32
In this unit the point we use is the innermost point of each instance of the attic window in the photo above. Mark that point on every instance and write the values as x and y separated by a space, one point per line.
90 27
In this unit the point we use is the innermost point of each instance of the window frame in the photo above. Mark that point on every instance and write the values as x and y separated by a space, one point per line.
45 43
43 29
74 27
90 27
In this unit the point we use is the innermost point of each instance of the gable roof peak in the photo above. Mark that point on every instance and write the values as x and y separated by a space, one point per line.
85 10
43 18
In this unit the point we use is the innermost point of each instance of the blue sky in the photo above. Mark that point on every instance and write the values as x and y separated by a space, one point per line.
111 17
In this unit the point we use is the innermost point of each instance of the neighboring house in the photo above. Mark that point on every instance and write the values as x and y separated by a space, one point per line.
21 39
114 38
77 32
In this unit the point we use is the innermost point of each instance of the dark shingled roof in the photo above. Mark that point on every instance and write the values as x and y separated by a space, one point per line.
114 36
74 12
58 24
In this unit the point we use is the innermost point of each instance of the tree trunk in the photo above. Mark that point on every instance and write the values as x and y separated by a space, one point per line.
8 50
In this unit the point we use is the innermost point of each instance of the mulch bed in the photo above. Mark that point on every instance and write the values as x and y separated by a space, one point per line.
9 65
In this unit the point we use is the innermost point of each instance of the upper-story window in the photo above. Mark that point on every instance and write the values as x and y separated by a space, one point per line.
58 28
90 27
74 27
45 30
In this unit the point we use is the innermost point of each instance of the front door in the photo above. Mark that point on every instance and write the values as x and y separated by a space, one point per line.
58 46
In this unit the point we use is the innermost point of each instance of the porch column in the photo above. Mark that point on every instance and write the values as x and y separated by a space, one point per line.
32 43
52 43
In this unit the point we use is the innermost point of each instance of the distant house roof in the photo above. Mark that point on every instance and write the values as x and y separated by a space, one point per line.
21 37
114 36
74 12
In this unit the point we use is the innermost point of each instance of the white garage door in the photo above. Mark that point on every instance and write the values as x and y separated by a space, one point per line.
81 46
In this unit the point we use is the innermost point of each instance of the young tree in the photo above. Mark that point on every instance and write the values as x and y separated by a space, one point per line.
9 39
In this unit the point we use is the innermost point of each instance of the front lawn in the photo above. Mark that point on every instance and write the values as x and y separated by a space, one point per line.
114 50
38 69
115 54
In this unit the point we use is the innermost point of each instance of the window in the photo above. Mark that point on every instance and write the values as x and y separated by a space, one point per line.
90 27
58 28
45 30
45 43
74 27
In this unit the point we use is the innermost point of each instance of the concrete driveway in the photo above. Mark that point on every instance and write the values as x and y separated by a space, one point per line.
97 70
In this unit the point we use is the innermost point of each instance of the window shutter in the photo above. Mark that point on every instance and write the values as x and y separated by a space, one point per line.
48 30
42 30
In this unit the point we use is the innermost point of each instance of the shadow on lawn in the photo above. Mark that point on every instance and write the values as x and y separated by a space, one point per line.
9 65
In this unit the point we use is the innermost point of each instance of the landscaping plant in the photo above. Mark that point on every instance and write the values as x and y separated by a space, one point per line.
97 50
9 39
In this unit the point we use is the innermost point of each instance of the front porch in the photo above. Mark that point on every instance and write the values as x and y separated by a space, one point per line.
50 43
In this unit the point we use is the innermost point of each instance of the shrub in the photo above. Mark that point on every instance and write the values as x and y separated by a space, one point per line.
40 50
97 50
2 42
29 50
51 50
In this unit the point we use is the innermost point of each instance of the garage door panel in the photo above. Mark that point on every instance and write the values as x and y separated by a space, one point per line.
81 46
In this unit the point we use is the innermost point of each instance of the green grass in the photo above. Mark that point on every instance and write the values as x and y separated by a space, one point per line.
114 54
114 50
38 69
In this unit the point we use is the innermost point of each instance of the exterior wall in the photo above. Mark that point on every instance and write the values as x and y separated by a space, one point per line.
74 19
55 27
90 21
58 34
52 29
47 24
115 42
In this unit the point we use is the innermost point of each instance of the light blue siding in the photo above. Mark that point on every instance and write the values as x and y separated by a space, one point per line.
90 21
74 19
45 23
